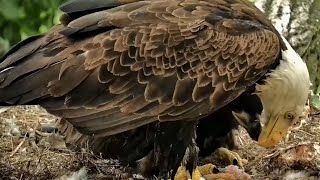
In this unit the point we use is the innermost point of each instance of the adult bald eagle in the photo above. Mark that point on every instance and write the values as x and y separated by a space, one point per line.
136 147
116 65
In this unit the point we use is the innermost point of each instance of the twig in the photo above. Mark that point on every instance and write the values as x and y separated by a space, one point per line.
240 140
11 142
39 160
274 154
18 147
305 132
314 114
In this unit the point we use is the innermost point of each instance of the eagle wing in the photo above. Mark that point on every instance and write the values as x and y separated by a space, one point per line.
117 66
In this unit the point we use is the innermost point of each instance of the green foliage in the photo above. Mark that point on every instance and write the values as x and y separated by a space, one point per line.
20 19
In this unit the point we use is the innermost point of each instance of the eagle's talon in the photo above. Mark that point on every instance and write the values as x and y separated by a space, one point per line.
182 174
206 169
226 156
196 175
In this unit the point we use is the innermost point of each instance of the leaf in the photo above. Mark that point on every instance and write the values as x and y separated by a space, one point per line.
4 46
9 9
315 102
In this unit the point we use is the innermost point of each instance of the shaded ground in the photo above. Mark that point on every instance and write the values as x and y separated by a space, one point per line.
26 153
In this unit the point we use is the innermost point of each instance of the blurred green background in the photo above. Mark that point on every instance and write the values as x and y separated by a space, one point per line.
20 19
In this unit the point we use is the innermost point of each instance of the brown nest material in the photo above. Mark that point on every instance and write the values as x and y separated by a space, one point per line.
26 153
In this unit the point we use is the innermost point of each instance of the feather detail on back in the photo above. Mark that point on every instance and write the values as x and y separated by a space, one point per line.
117 65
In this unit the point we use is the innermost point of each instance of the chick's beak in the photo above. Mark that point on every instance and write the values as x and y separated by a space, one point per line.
273 131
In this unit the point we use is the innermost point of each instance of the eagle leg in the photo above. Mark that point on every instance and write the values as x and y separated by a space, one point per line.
192 157
171 142
136 149
200 171
189 164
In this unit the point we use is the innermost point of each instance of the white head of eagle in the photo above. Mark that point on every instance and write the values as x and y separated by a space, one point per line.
283 95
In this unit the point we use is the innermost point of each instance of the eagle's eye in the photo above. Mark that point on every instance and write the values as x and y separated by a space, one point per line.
289 116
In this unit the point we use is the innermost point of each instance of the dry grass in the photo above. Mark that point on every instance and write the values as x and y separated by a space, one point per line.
26 153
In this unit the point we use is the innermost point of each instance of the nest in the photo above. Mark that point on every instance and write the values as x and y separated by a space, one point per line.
26 153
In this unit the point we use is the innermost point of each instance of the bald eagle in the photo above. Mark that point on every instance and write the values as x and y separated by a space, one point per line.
136 147
115 65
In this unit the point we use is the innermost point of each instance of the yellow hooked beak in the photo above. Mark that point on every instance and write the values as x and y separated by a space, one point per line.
273 131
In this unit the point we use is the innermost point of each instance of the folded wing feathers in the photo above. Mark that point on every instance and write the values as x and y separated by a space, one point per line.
139 62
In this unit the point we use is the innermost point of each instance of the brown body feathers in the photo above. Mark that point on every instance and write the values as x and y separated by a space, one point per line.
113 66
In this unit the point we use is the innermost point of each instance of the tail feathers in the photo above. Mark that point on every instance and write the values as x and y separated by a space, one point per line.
75 140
